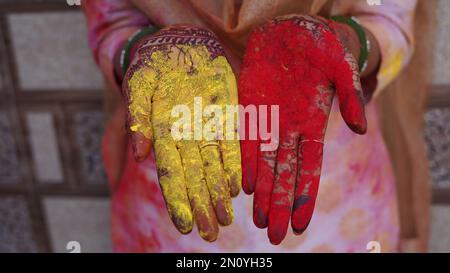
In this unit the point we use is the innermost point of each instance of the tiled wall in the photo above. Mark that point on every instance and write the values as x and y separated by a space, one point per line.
437 133
65 65
51 120
52 185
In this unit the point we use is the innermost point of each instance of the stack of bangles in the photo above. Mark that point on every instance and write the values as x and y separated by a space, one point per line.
350 21
132 40
363 40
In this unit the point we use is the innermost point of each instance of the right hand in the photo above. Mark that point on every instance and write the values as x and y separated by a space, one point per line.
197 177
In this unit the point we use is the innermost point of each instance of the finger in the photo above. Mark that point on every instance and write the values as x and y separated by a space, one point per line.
231 156
141 146
283 190
249 164
263 188
231 149
173 186
217 185
139 89
308 176
247 88
197 190
350 94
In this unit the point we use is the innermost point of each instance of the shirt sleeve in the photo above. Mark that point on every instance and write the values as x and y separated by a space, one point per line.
110 23
391 22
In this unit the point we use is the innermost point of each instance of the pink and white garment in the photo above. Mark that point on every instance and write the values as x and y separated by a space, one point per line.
356 203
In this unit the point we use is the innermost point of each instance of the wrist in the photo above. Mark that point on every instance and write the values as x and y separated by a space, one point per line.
117 68
363 41
349 39
124 56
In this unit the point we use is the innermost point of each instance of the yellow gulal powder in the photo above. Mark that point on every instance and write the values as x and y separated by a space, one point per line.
175 77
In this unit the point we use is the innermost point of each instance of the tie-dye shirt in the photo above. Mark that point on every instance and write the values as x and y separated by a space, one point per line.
357 200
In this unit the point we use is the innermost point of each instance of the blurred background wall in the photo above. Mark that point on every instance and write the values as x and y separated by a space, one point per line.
52 185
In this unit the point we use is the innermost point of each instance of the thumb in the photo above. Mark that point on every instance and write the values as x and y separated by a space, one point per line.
138 88
350 94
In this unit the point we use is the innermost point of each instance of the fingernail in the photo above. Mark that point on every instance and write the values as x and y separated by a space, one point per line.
260 218
234 186
224 214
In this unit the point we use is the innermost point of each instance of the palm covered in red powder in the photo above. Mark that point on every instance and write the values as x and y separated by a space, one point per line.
298 63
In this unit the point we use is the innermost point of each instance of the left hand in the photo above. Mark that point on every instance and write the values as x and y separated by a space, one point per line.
298 63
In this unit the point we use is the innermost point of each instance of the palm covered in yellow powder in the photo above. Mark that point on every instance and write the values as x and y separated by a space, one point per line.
198 174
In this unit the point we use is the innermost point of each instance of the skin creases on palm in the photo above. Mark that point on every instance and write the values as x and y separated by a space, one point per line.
198 176
295 62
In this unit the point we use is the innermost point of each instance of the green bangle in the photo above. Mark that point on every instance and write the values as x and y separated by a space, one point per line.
361 33
125 54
